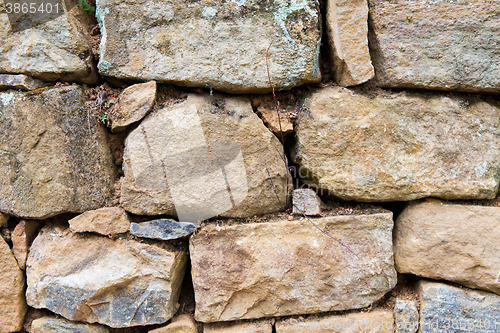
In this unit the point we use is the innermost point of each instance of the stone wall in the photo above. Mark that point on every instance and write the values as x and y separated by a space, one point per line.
148 182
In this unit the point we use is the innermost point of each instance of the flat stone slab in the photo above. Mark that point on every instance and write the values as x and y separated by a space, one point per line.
61 325
281 268
347 32
164 229
12 283
448 309
118 283
54 158
45 48
133 105
105 221
444 45
203 157
444 241
398 147
20 81
376 321
218 44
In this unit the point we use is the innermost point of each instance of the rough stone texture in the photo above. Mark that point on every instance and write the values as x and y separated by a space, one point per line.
3 219
179 324
163 229
133 104
53 158
105 221
347 28
12 302
452 242
23 235
447 309
203 146
221 45
306 201
398 147
406 316
270 119
289 267
20 81
376 321
53 50
60 325
91 278
450 45
258 326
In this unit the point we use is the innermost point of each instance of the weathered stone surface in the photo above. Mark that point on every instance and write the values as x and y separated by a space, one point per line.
105 221
377 321
451 45
289 267
270 119
347 28
23 235
183 159
53 50
163 229
133 104
53 157
20 81
400 147
306 201
3 219
447 309
91 278
12 303
406 316
179 324
457 243
60 325
211 44
256 326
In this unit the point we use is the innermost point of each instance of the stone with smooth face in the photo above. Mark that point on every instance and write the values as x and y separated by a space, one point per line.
23 235
54 50
133 105
54 159
376 321
448 309
284 268
20 81
444 241
306 201
406 316
444 45
180 324
95 279
255 326
347 29
12 302
399 147
221 45
203 146
164 229
61 325
105 221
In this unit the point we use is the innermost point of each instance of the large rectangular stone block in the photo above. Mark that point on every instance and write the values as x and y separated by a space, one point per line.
281 268
218 44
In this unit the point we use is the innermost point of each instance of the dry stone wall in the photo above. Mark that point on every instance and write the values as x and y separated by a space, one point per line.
240 166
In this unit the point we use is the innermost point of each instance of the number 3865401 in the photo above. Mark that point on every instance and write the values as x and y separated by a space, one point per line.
32 8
